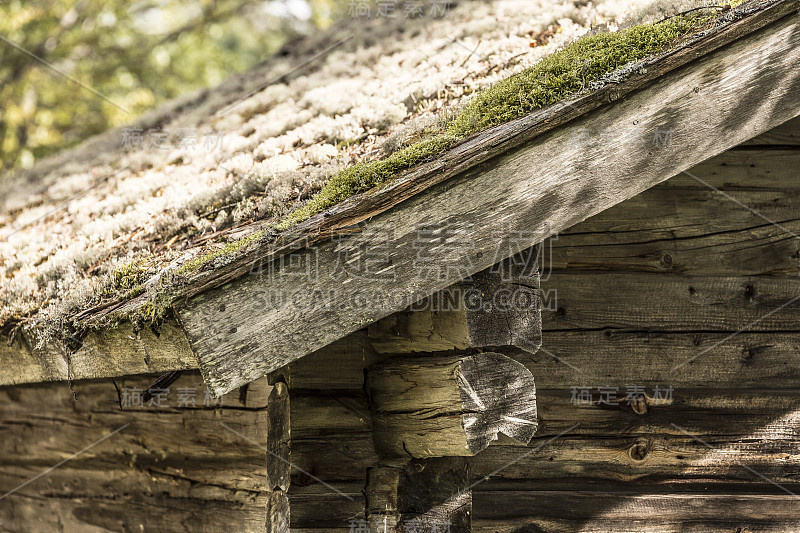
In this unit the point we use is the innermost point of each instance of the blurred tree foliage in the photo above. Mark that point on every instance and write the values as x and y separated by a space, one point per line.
135 54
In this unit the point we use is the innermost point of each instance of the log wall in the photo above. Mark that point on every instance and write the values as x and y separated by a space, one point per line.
172 466
682 286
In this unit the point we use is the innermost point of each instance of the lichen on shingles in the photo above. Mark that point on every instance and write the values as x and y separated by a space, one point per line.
165 216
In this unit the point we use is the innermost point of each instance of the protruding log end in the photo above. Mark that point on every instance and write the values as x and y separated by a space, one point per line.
450 406
498 395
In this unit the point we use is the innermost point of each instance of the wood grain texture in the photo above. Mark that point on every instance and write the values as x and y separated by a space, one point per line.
425 327
170 468
439 406
433 496
592 512
685 227
107 353
278 438
719 100
319 509
420 496
499 306
785 135
502 303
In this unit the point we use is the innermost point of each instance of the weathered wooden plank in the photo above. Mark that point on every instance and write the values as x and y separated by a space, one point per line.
450 406
278 512
625 301
278 454
502 303
425 327
693 359
320 509
433 495
168 468
592 512
787 134
757 169
113 352
340 365
427 496
766 414
253 326
646 460
668 228
499 306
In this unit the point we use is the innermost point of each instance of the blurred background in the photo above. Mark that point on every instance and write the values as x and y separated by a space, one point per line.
137 55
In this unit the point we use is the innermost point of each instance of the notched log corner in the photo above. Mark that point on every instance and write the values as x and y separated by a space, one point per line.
496 307
451 405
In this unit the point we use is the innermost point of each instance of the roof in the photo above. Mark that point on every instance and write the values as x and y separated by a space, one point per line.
133 221
255 146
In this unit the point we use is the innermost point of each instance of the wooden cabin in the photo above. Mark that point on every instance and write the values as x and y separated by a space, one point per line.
589 324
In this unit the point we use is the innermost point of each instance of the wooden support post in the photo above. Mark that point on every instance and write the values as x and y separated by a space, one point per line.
421 495
383 513
499 306
330 436
278 466
451 405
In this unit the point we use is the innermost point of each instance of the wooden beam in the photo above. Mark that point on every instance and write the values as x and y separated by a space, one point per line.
120 351
331 435
609 512
278 459
255 325
450 406
499 306
502 303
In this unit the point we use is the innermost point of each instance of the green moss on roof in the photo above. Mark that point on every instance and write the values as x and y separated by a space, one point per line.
559 76
127 280
556 77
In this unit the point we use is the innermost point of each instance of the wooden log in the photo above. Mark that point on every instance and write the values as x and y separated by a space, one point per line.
338 508
498 306
383 485
278 512
668 229
340 365
278 435
422 329
766 360
716 462
115 352
434 496
624 301
787 134
331 437
422 495
502 303
602 512
450 406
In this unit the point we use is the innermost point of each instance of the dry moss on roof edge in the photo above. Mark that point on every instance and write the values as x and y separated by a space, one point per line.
563 74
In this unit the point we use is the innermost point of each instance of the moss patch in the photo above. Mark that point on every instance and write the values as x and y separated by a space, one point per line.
127 280
556 77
